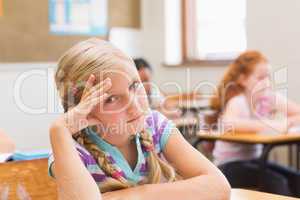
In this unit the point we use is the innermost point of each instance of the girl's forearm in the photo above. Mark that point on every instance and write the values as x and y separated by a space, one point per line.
255 126
205 187
73 180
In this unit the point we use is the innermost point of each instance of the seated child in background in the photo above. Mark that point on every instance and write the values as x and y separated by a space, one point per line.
155 97
123 149
246 102
7 147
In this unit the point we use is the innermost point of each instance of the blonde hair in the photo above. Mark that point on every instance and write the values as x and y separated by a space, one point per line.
229 86
95 56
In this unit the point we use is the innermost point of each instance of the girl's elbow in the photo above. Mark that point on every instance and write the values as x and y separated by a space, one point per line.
226 188
220 186
227 191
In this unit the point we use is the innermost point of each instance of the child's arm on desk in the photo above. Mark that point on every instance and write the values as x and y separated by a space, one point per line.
72 178
200 177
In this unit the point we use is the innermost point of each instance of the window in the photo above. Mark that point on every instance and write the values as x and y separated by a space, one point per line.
211 30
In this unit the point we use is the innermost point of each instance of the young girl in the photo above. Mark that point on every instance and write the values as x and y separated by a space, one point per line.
122 149
246 102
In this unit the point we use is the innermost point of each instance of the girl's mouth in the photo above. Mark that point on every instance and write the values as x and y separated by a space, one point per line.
135 118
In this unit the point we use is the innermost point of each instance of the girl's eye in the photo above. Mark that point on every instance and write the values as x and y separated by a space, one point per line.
111 99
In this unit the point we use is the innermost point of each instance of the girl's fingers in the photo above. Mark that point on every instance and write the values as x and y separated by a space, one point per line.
98 99
102 86
90 103
89 84
92 121
98 93
106 84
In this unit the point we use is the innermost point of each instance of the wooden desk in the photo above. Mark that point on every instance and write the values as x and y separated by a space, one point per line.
193 102
198 104
27 178
269 141
185 121
239 194
33 178
251 138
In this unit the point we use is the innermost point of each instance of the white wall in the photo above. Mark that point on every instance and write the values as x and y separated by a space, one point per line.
28 130
272 27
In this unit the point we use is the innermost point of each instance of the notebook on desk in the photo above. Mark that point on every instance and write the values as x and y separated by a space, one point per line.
4 157
31 155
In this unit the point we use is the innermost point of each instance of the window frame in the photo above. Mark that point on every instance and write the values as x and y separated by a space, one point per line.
188 38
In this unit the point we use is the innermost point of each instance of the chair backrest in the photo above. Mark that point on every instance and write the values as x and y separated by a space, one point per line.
26 180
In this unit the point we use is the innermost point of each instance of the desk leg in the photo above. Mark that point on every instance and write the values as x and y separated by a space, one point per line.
196 143
298 156
291 155
263 163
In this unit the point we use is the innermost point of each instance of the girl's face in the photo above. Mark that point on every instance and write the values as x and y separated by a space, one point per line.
123 113
259 80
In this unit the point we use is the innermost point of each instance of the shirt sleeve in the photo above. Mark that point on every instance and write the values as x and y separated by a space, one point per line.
237 107
84 155
161 130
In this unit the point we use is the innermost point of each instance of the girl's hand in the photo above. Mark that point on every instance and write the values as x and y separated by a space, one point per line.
79 117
